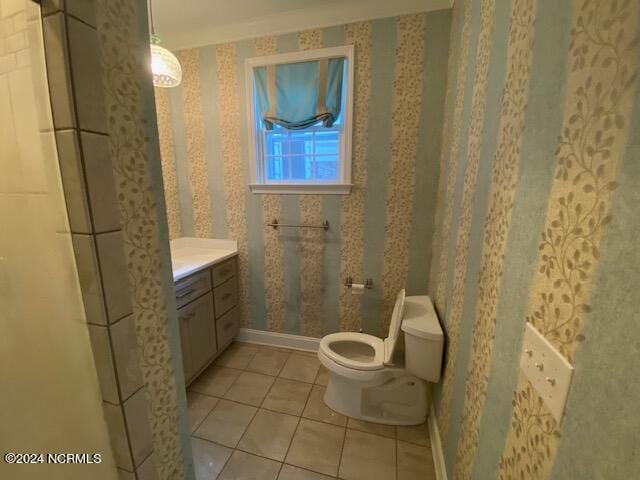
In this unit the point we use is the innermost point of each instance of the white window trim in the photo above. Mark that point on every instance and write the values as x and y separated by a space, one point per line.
258 184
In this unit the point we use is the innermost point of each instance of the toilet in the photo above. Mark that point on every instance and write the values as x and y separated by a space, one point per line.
366 384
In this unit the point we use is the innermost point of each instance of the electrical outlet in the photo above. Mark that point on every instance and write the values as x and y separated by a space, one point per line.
547 370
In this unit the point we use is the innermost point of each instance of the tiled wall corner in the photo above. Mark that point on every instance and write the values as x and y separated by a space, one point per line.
73 182
78 108
135 412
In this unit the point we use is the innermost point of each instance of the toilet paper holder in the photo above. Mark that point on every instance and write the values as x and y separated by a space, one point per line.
348 282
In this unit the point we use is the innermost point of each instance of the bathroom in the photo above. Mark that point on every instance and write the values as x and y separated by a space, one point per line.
354 239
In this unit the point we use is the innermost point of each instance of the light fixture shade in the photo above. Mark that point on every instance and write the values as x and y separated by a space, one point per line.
165 67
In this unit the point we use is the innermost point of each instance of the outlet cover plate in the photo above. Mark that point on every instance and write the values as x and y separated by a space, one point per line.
547 370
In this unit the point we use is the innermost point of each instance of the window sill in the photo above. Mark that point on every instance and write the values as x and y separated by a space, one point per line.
304 189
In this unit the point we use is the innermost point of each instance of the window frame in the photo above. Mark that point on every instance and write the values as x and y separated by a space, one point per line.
259 184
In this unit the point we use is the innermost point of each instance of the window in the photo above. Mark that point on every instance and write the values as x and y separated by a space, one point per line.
299 120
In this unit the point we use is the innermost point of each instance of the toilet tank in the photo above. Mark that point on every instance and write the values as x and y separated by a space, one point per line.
424 339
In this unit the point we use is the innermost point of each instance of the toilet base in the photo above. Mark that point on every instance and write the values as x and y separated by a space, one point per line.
395 398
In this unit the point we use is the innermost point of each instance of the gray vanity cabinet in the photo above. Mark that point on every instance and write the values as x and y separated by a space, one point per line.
207 315
198 334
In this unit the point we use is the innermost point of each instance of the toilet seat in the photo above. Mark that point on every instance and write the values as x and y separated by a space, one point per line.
374 362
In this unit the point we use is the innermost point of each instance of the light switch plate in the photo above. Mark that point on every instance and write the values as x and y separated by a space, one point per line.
547 370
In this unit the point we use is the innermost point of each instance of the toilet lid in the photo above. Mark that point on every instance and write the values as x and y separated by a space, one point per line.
394 327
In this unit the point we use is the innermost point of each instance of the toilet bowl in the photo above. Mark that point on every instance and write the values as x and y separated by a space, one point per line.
364 380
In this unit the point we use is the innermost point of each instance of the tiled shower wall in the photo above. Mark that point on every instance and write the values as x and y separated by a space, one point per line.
78 107
140 422
50 398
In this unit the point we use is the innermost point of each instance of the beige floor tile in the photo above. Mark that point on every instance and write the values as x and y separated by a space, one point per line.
244 466
208 458
418 434
226 423
287 396
323 377
316 446
199 408
301 367
369 427
289 472
368 457
415 462
250 388
215 380
238 355
269 434
316 409
268 361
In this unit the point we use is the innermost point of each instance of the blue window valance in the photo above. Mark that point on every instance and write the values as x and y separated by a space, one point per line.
299 95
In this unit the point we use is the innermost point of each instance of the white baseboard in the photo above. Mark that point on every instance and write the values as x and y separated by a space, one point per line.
436 445
273 339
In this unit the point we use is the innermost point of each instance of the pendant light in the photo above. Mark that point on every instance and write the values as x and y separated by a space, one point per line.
165 67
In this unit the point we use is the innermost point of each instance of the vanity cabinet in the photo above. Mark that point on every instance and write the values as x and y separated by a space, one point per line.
207 314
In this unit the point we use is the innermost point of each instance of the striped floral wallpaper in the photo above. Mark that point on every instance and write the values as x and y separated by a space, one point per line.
291 280
537 221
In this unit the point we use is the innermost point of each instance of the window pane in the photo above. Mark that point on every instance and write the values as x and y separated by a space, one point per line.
327 168
327 142
301 142
276 143
300 167
274 170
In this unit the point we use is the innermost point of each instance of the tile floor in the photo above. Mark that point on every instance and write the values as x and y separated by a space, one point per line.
257 413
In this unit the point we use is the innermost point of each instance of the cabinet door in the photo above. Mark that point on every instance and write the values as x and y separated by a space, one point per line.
186 350
200 330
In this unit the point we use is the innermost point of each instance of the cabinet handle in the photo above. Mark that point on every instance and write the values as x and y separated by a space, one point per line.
187 316
185 293
226 296
227 326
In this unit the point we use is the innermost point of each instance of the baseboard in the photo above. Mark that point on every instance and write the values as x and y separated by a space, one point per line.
273 339
436 445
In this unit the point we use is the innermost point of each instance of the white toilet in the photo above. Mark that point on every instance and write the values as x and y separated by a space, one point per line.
364 383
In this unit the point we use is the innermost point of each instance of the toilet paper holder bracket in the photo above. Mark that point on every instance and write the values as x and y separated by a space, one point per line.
368 283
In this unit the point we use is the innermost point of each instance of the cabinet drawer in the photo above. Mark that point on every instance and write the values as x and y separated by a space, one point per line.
223 271
192 287
225 297
227 327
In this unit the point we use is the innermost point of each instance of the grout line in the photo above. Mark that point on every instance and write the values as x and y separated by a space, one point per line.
142 461
286 454
204 417
397 459
95 132
78 19
344 441
225 463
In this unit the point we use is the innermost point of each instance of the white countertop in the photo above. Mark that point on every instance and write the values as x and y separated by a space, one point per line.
188 255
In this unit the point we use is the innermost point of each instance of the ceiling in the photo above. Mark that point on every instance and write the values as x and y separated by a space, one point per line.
192 23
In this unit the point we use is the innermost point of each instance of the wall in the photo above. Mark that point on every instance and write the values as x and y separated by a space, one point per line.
50 396
291 280
537 222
